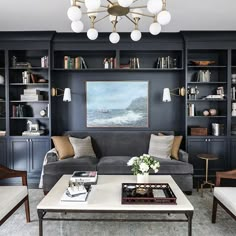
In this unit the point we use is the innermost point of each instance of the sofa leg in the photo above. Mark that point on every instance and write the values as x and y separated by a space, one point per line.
27 210
45 192
188 192
214 210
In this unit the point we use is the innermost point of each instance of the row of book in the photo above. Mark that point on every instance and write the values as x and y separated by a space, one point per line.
134 63
166 62
110 63
76 63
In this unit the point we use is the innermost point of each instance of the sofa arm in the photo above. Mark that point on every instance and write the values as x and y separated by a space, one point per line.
51 156
183 156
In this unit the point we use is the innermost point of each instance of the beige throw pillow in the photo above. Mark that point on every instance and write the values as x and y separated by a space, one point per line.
175 147
82 147
63 146
160 146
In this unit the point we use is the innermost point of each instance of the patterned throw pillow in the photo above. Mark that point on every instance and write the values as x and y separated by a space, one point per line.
160 146
82 147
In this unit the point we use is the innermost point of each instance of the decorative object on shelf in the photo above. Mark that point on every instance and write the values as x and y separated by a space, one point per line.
198 131
213 112
44 62
203 76
117 103
217 129
203 63
109 63
25 77
141 166
220 91
166 62
205 113
1 79
233 76
66 93
167 93
191 109
192 93
234 109
43 113
116 11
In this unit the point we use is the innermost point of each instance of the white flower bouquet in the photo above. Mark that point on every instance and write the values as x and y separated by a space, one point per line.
143 164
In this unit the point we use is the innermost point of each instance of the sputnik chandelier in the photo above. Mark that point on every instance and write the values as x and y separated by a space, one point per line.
116 10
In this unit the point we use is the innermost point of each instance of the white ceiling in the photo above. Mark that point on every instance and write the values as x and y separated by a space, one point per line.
27 15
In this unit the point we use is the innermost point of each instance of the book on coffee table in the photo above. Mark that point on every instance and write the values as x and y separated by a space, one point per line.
89 177
75 194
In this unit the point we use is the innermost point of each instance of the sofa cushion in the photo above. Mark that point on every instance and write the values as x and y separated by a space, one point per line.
63 146
171 166
114 165
82 147
226 195
68 166
160 146
10 197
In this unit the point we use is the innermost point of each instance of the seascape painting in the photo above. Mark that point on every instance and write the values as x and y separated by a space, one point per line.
117 103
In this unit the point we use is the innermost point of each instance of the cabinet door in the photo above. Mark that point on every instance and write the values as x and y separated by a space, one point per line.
3 153
38 149
233 154
19 149
197 146
218 147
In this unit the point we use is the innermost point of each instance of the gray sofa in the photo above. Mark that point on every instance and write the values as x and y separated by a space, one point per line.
113 150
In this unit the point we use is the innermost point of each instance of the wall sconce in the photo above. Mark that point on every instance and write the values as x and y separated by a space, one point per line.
167 92
66 93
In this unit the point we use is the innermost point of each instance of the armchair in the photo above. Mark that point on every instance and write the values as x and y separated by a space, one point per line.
12 197
224 196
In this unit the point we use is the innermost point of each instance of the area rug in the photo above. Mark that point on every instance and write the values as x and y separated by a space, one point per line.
226 226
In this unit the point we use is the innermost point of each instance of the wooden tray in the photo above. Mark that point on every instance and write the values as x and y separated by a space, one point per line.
203 63
148 193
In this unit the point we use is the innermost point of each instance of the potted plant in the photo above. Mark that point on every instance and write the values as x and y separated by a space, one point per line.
142 165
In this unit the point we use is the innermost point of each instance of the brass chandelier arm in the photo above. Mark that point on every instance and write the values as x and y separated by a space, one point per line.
97 11
96 21
130 19
112 3
141 14
138 7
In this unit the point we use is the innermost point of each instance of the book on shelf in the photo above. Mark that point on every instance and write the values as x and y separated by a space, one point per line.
31 92
29 97
75 194
85 176
74 63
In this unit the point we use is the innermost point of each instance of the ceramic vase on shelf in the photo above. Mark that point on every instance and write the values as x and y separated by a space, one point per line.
143 178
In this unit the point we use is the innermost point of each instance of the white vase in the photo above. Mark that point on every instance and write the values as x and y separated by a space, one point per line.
143 178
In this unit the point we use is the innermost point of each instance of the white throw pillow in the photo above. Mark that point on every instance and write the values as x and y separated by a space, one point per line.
82 147
160 146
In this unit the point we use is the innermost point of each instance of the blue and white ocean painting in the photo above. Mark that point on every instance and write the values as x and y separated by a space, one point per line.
117 103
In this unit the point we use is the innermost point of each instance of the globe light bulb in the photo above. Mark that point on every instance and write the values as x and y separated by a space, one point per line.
125 3
92 4
92 34
74 13
155 28
77 26
154 6
136 35
164 17
138 10
114 37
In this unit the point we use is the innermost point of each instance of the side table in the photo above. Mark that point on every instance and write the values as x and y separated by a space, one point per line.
207 158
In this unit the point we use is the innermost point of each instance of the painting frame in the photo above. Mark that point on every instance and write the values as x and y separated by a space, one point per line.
117 104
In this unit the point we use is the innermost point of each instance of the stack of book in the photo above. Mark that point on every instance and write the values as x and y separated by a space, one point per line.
166 62
76 63
31 95
87 177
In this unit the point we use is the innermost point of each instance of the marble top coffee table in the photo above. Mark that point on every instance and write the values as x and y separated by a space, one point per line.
105 198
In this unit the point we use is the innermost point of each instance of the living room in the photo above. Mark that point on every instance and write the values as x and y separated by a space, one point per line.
88 85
